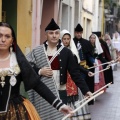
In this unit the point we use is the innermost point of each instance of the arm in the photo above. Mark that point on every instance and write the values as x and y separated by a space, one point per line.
90 58
103 60
31 59
82 69
45 92
75 73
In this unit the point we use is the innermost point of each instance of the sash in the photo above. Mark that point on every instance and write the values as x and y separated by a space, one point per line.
40 58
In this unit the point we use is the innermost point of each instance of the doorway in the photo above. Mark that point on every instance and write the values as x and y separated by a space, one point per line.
9 13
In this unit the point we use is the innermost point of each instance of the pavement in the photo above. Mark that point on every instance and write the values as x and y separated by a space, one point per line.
107 106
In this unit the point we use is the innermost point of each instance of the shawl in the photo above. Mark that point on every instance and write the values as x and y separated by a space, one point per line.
98 45
30 78
71 88
38 57
72 44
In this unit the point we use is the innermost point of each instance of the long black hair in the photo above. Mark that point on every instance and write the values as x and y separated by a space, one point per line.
4 24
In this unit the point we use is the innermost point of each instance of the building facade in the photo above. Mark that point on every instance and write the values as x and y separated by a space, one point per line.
30 17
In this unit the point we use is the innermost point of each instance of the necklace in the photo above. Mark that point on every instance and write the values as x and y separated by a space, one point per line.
13 71
1 60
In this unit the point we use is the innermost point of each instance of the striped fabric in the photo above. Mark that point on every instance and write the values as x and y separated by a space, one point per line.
45 110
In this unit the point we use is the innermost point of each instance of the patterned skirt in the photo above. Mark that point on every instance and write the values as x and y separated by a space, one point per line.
101 79
20 109
71 96
81 114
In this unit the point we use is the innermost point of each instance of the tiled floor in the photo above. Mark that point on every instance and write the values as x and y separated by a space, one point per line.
107 106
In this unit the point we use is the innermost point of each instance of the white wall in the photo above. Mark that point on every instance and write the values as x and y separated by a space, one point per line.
67 16
87 4
100 12
95 15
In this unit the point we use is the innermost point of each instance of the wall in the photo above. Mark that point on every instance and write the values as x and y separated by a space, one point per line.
10 7
101 16
68 15
95 15
86 24
47 14
0 10
24 24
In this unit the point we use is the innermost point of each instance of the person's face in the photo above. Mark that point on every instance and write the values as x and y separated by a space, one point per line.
53 36
78 35
6 38
92 39
106 37
66 40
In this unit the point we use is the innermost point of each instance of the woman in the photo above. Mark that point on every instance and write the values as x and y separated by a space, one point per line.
14 68
116 42
110 46
97 51
73 93
112 49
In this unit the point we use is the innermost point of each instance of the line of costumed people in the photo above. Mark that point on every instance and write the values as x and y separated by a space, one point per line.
58 65
53 62
63 65
90 55
14 69
93 52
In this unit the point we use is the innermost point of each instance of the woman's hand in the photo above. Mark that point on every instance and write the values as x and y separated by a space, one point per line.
88 94
90 74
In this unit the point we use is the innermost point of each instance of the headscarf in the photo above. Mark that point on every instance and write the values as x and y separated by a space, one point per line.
72 44
107 39
116 39
29 76
97 44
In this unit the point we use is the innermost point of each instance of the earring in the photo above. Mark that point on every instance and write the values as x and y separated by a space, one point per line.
11 49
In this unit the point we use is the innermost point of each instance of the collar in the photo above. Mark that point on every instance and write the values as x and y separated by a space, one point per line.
59 44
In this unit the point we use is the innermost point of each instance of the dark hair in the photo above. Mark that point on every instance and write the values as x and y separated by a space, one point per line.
4 24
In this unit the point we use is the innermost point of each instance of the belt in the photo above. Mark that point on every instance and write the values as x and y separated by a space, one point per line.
83 63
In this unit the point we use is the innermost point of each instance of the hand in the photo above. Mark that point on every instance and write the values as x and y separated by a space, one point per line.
66 110
118 58
88 94
112 61
95 64
90 74
46 71
116 49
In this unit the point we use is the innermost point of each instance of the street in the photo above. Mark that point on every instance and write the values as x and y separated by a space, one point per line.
107 106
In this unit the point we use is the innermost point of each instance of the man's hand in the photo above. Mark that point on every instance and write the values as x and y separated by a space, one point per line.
46 71
66 110
90 74
88 94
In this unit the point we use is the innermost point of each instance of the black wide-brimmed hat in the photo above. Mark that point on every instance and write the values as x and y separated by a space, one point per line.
98 33
78 28
52 25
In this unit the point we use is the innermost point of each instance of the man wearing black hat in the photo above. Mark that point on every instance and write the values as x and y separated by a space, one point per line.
52 61
84 48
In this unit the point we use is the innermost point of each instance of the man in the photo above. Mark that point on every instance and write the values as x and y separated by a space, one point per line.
52 61
84 48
